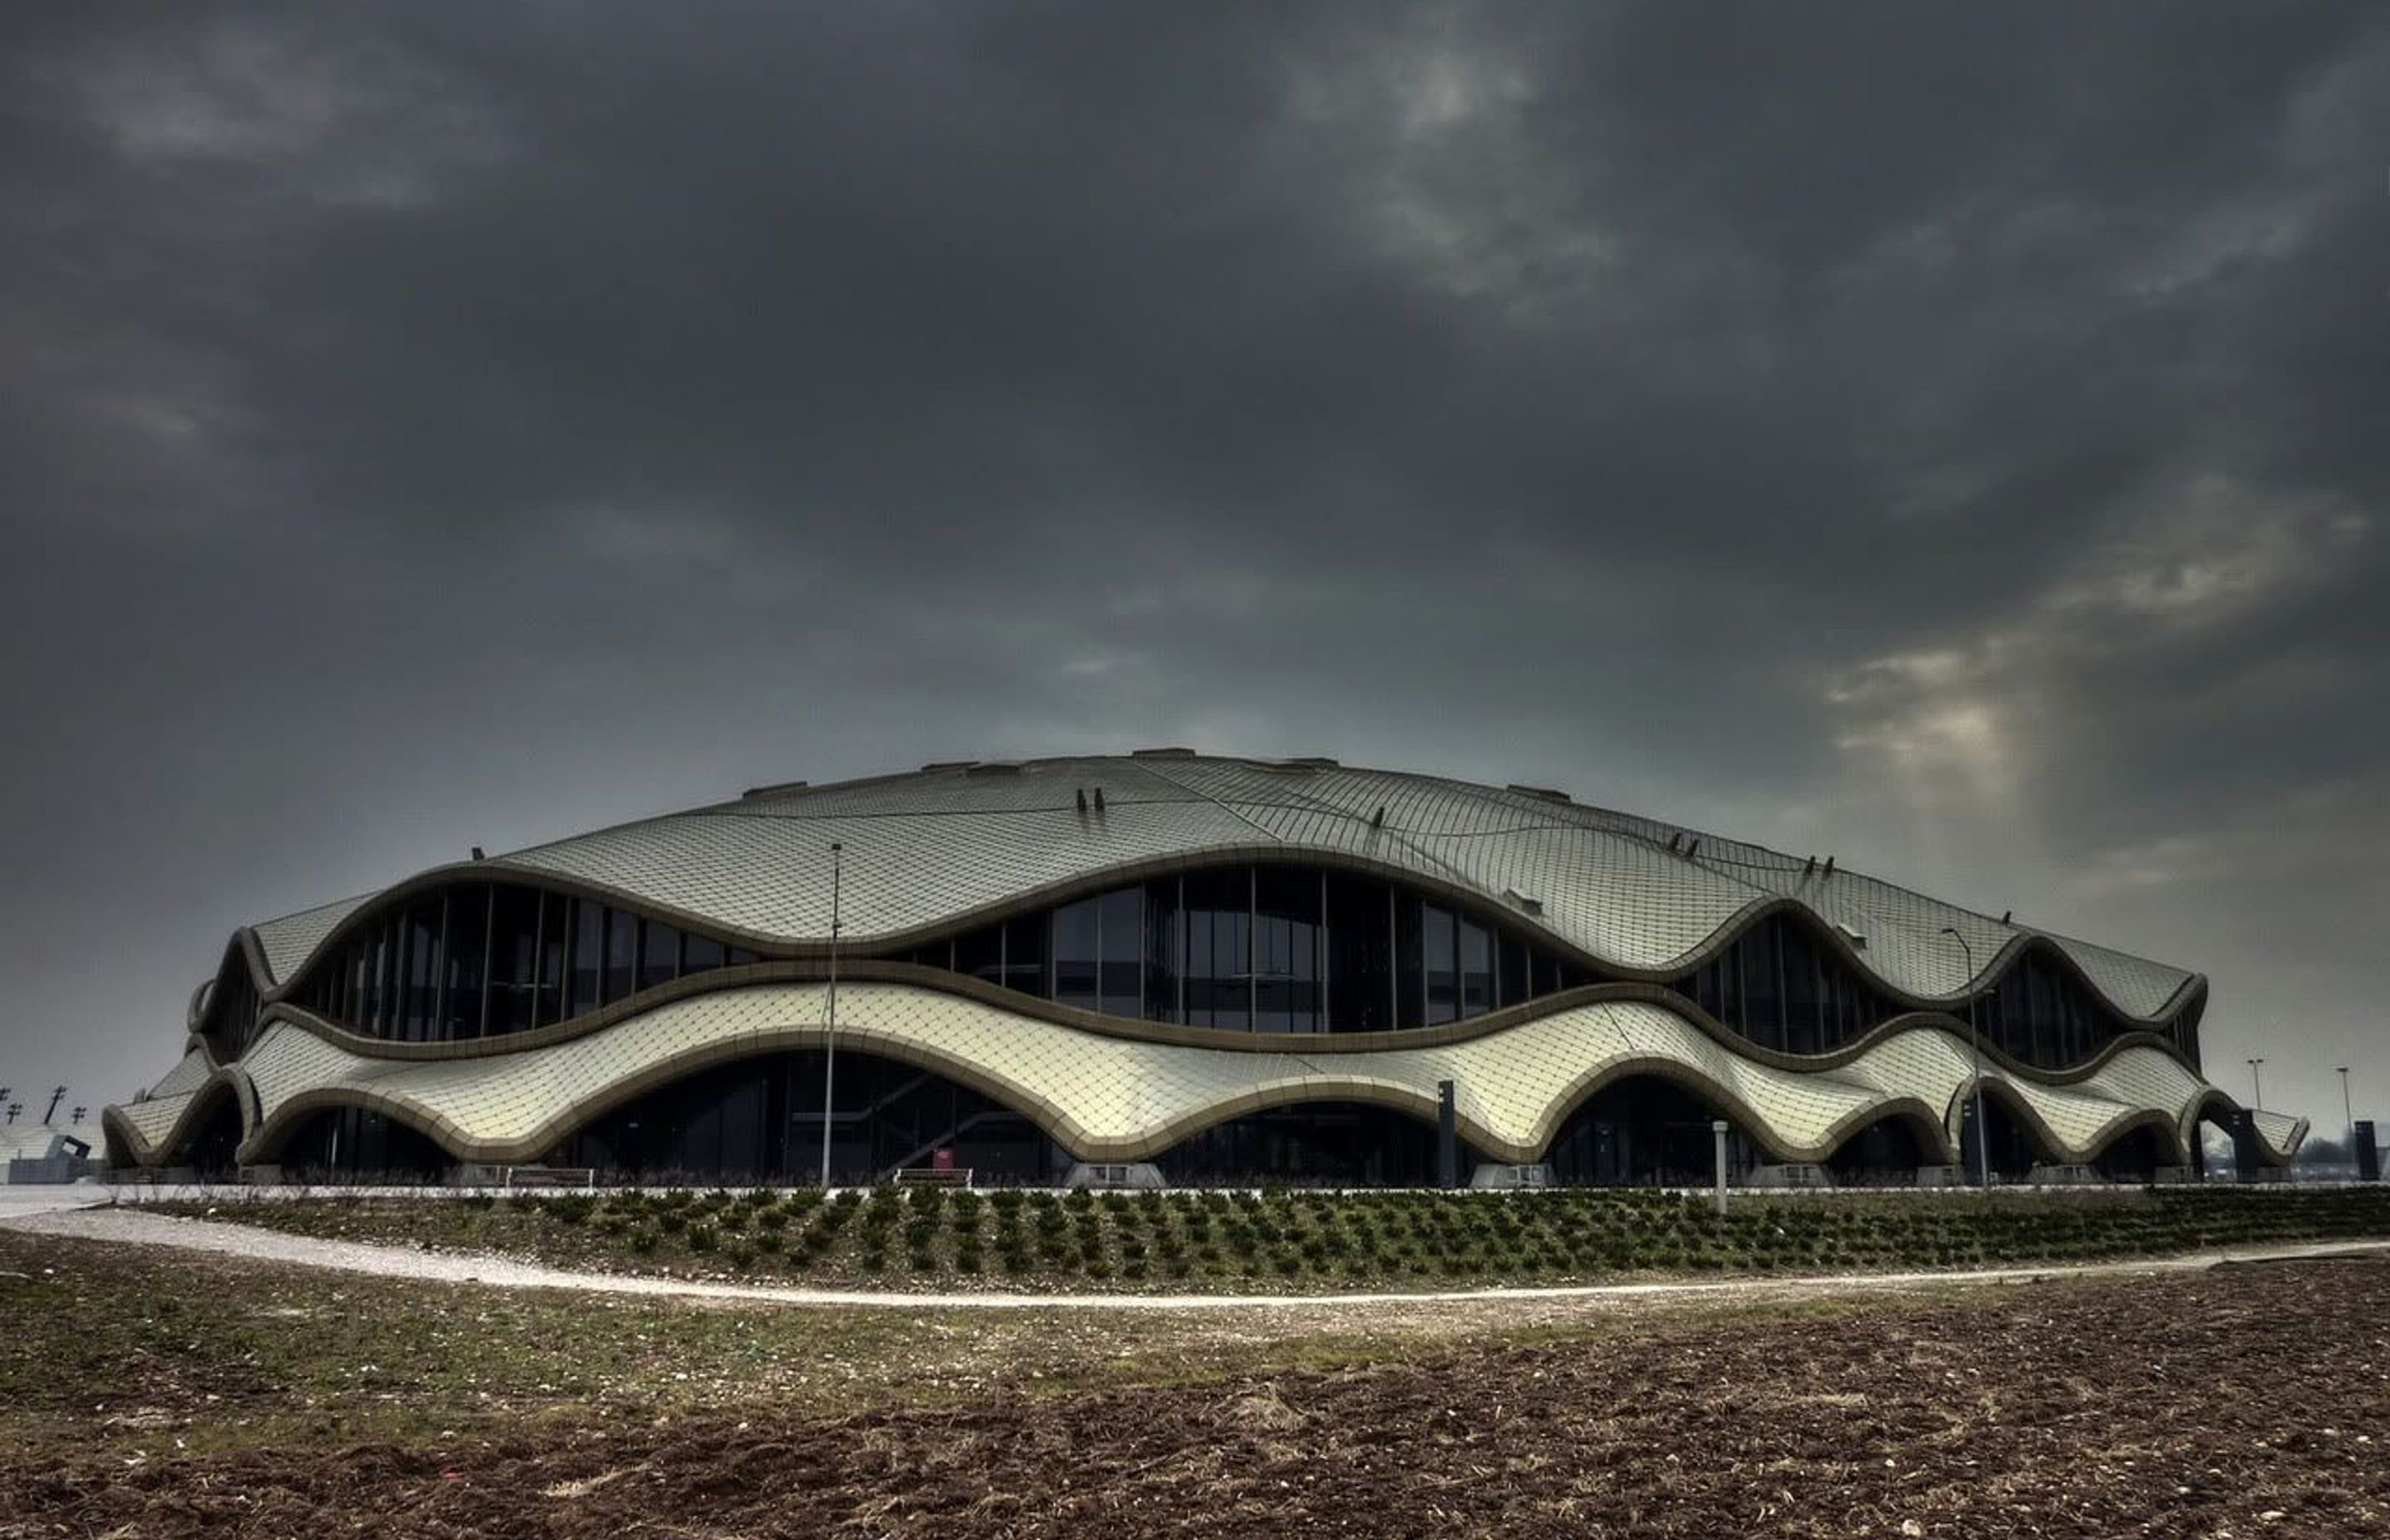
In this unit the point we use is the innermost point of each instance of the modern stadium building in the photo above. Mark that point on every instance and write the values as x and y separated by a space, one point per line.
1227 968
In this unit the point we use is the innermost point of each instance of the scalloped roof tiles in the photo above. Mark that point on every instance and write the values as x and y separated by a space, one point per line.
927 848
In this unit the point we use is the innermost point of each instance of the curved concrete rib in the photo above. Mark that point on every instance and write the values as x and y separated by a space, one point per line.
1109 1097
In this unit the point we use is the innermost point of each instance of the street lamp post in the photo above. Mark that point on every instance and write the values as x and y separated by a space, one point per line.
2347 1111
1976 1052
829 1015
2257 1086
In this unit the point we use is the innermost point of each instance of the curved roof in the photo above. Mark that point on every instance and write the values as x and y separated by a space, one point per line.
928 850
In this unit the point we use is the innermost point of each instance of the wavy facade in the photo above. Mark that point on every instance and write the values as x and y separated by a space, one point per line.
1232 967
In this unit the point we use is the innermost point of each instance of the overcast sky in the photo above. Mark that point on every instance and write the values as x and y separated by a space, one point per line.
1951 439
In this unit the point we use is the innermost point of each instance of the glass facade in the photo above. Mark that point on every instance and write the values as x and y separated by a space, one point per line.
1328 1144
489 960
1777 985
1642 1132
351 1141
761 1120
1261 948
1268 947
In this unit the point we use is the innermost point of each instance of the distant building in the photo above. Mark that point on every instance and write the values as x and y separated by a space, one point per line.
43 1152
1232 969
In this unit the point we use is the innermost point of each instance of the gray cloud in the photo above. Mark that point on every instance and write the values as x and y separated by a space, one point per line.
1950 440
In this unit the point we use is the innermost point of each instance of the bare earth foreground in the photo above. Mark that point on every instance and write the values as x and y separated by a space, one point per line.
2250 1400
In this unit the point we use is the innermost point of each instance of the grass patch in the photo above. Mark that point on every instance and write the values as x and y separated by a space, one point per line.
147 1352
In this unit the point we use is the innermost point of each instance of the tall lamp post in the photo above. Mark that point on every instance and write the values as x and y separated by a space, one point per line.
2257 1086
1976 1052
2347 1111
829 1017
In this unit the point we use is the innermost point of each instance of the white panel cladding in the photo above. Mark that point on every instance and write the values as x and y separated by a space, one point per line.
1111 1098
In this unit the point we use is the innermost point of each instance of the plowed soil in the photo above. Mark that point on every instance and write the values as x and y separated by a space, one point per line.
2248 1401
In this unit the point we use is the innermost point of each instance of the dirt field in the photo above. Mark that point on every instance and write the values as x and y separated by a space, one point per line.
2249 1401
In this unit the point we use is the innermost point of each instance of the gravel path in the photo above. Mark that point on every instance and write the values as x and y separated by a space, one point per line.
135 1226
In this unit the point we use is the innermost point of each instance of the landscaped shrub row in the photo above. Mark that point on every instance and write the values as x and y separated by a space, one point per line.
1309 1239
1410 1237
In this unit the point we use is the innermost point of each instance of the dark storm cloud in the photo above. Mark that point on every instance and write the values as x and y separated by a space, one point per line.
1947 438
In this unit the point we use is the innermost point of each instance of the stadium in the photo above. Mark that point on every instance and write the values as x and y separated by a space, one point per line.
1188 969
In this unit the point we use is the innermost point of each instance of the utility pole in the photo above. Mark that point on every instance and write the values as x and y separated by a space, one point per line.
1976 1051
2347 1112
829 1014
56 1096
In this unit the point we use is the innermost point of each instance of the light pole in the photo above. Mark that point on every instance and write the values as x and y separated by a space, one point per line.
1976 1052
2257 1086
829 1017
2347 1111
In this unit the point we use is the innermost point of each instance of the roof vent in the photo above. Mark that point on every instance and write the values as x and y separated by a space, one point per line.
1083 798
1099 799
478 855
1526 903
1695 848
1856 937
1829 866
1161 754
2006 915
774 786
1378 819
1545 792
1676 844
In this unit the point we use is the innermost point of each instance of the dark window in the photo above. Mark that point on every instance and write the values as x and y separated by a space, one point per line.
1024 956
1512 980
1410 987
1476 970
468 946
1286 949
514 958
1443 971
1076 962
423 969
1360 954
981 954
554 947
659 953
621 953
588 956
1164 940
700 954
1121 914
1219 972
